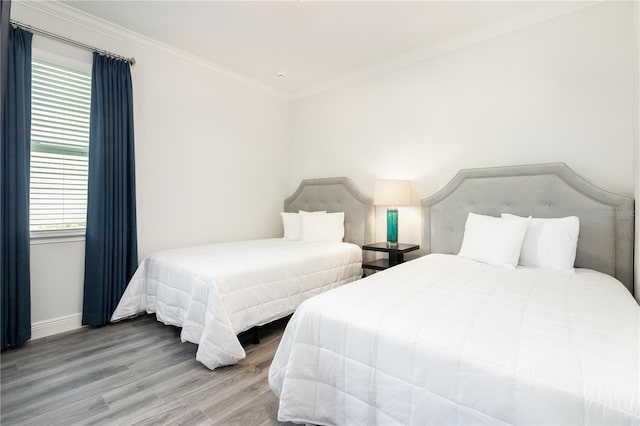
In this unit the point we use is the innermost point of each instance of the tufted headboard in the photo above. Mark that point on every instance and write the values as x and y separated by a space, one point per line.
337 195
606 236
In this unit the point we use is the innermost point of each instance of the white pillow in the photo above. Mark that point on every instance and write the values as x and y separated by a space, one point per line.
292 226
550 243
493 240
322 227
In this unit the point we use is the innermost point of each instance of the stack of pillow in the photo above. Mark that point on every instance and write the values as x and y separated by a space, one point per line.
313 226
511 240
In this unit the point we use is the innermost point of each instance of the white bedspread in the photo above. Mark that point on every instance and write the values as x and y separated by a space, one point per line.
446 340
215 292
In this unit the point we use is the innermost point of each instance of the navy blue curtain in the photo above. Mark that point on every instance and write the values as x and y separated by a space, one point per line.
5 12
111 249
14 179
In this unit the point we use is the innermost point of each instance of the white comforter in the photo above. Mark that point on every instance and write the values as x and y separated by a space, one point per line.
446 340
215 292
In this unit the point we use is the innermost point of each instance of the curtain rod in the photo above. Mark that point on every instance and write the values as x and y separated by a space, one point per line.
20 25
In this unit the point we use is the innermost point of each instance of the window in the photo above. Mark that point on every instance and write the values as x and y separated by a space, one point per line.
61 102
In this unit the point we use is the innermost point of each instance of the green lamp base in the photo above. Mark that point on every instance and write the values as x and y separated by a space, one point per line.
392 227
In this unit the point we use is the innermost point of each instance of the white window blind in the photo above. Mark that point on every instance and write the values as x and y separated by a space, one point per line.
60 106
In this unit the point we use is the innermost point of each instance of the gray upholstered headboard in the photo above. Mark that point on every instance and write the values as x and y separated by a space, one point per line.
606 236
337 195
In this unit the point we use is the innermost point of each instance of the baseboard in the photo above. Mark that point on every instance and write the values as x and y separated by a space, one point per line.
57 325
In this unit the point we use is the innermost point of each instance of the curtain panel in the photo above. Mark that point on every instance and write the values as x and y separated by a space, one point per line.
111 250
15 151
5 13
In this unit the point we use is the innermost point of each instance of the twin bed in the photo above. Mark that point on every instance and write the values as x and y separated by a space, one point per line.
447 340
437 340
216 292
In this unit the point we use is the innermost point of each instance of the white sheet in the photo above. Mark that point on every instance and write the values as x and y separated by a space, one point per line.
446 340
215 292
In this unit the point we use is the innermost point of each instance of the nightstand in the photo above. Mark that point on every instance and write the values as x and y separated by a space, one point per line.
396 255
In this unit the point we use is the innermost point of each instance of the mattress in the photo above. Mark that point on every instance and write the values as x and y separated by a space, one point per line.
446 340
215 292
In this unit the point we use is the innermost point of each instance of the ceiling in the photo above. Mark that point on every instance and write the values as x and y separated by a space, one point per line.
314 42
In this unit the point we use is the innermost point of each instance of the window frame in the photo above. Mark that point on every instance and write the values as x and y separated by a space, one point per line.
80 61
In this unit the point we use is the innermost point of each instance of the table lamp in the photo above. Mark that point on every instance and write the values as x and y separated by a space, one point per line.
392 193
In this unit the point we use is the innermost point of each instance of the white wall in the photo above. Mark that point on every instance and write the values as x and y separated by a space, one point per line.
561 90
211 165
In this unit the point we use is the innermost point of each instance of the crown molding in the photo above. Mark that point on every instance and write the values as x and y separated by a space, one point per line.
553 10
82 19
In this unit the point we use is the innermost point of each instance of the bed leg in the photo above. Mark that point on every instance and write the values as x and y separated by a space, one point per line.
256 338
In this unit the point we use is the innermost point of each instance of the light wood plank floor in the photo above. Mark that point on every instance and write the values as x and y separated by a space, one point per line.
134 372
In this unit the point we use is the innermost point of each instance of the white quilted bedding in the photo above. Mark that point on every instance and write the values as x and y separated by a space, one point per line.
446 340
215 292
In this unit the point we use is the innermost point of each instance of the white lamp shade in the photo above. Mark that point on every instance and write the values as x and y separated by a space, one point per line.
392 193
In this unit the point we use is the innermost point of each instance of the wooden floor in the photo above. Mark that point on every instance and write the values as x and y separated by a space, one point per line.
134 372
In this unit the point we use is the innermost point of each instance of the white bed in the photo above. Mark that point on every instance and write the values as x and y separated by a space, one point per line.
215 292
447 340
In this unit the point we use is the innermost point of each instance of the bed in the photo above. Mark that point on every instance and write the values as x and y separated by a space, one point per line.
217 291
447 340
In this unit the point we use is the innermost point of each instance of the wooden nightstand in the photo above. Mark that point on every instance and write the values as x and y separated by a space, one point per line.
396 255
